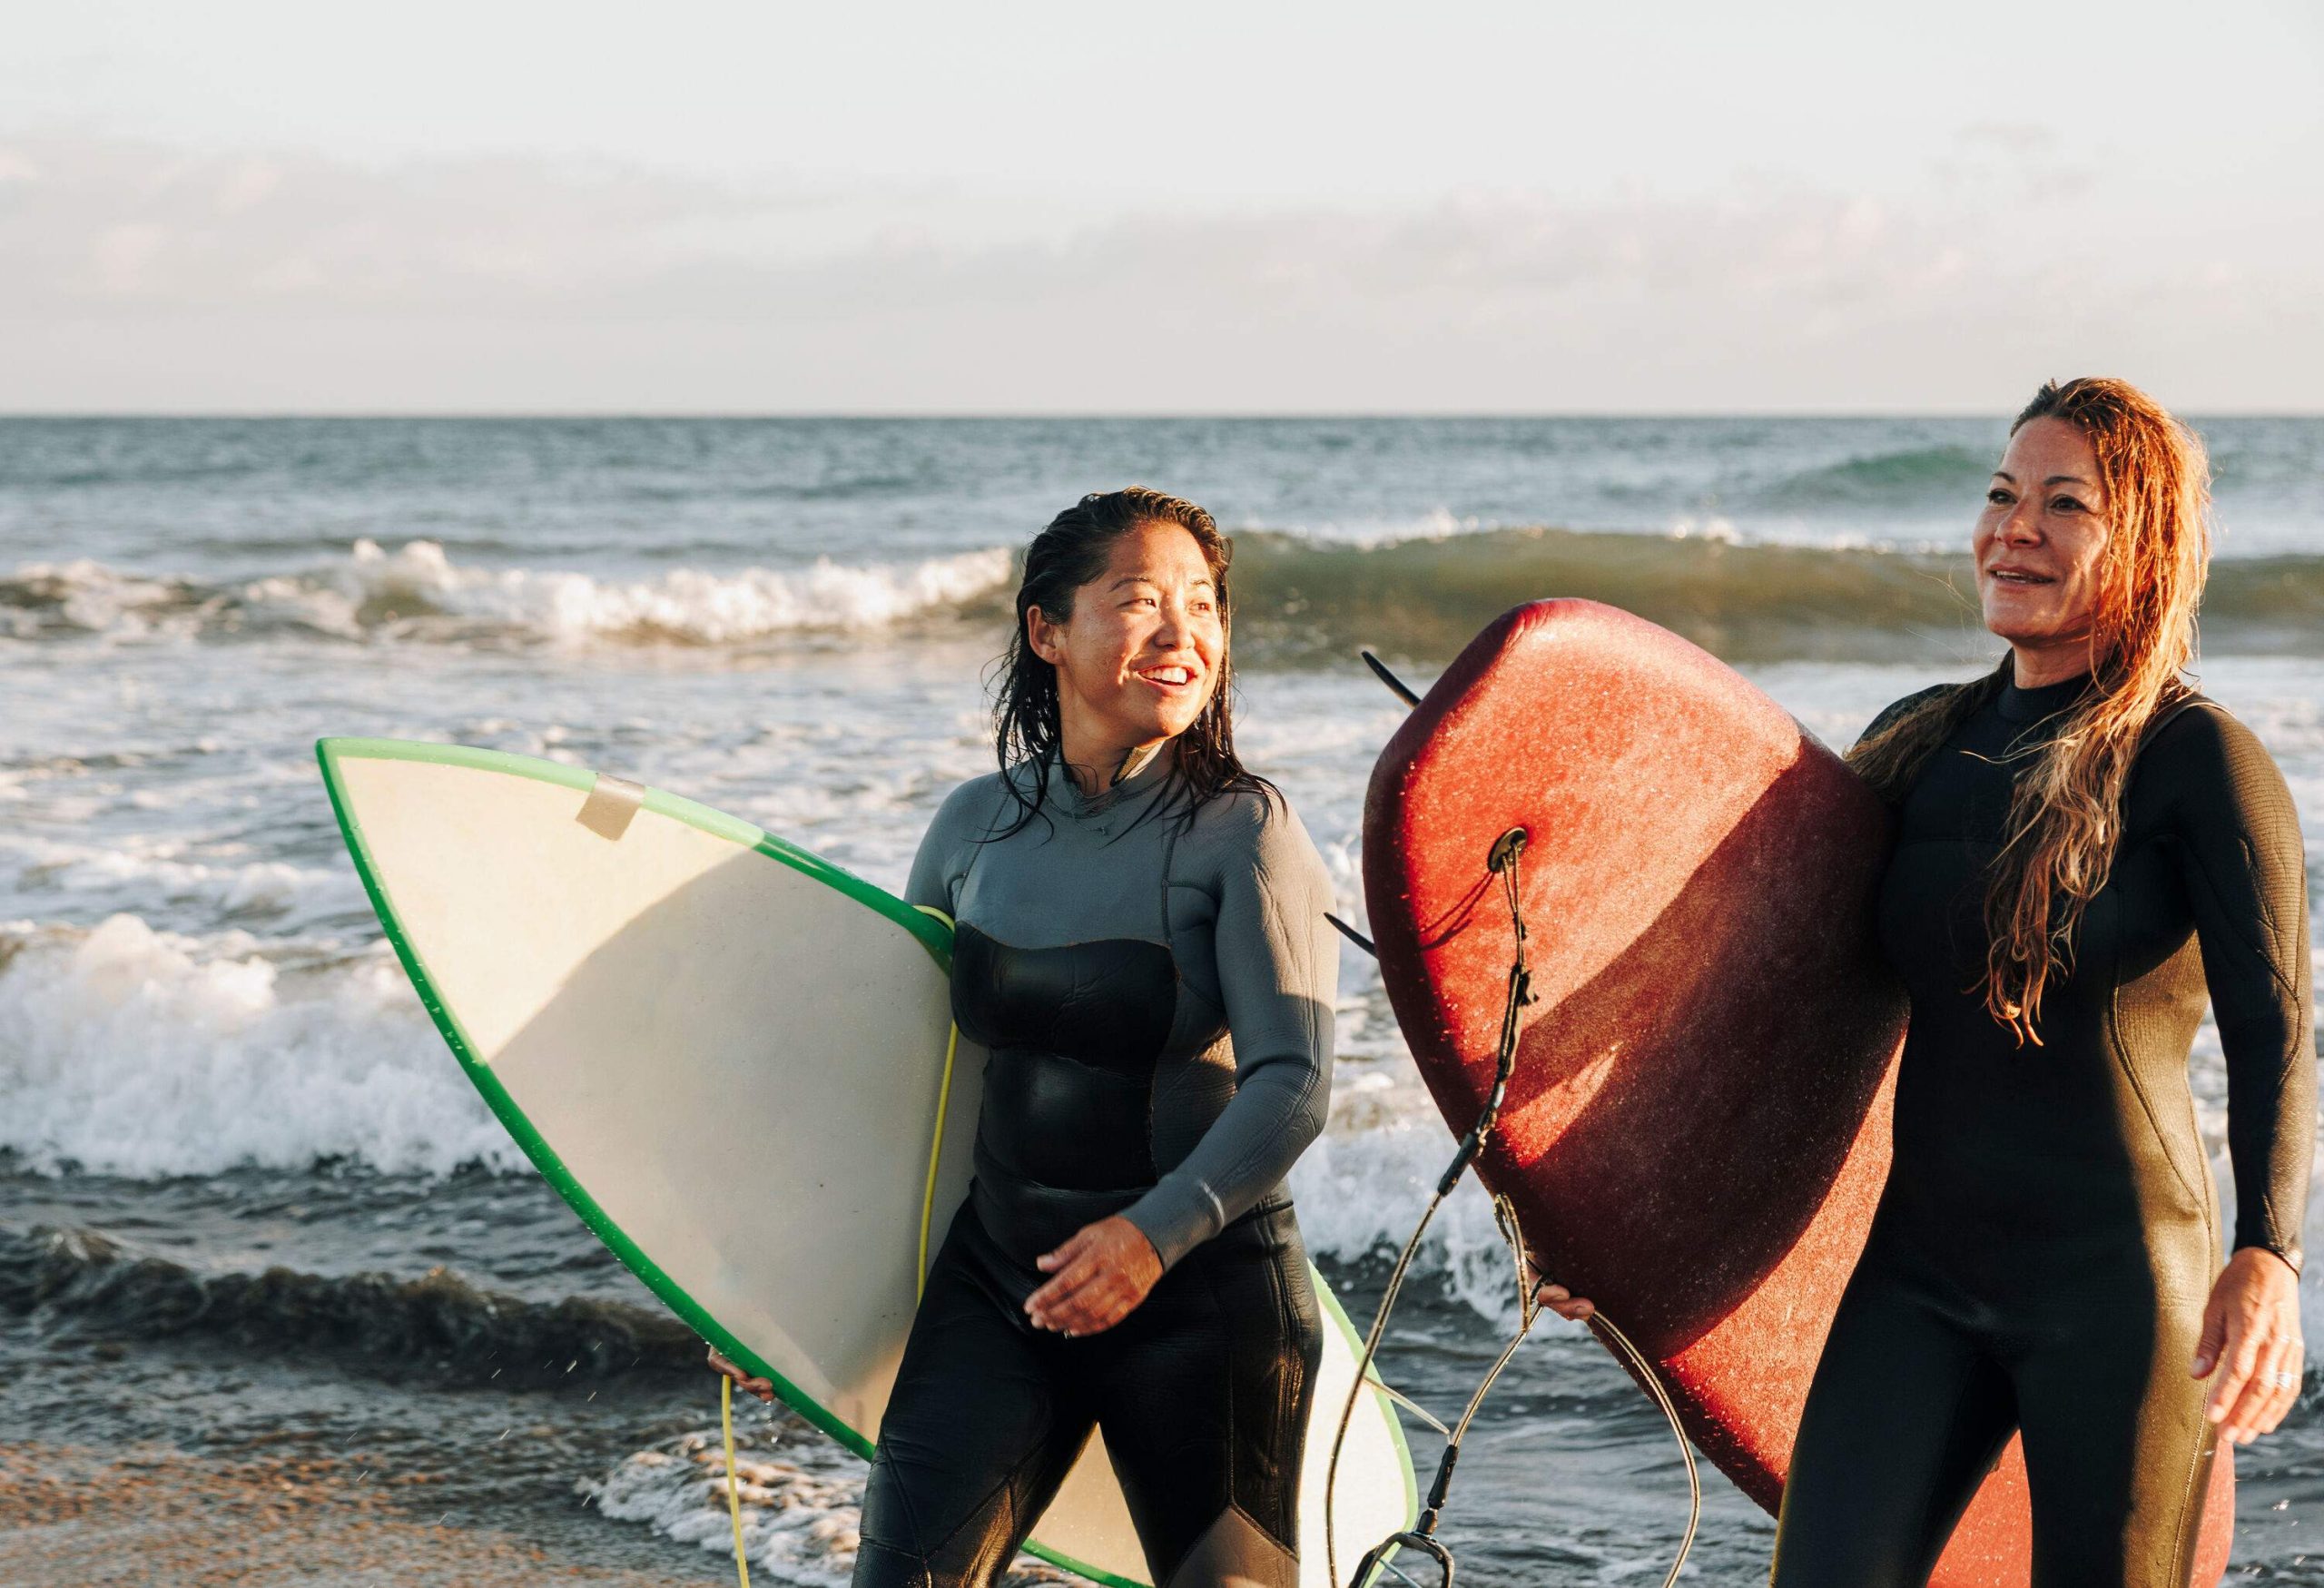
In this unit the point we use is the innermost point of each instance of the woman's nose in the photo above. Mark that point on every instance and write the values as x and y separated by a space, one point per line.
1170 627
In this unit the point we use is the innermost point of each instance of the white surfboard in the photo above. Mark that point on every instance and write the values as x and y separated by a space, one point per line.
737 1063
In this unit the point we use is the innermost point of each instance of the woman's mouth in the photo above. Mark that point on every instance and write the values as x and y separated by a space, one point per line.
2020 576
1168 677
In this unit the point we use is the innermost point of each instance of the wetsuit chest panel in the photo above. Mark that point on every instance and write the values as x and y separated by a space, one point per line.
2091 1135
1074 1032
1105 1004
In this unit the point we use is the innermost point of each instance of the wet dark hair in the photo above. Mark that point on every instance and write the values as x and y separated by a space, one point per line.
1071 552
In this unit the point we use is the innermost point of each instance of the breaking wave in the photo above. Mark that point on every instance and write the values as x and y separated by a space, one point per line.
416 593
85 1280
1298 597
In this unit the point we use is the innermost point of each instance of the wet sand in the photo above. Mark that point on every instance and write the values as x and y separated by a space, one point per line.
73 1514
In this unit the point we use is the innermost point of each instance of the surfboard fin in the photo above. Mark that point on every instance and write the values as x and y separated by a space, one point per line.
1397 687
1354 936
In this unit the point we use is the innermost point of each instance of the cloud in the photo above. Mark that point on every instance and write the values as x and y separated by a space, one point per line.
133 276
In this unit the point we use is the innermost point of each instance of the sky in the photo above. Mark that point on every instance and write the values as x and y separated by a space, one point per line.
1247 208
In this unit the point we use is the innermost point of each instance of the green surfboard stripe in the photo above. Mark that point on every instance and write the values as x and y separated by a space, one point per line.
931 933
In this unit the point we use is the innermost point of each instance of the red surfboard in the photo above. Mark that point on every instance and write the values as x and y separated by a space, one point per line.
1697 1130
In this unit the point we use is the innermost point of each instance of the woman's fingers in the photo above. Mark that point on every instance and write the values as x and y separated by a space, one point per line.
2247 1413
2288 1382
1564 1303
2214 1337
1097 1279
1099 1304
2274 1387
1093 1309
2238 1361
2278 1387
762 1387
1079 1272
1085 1298
1083 1309
1075 1246
2251 1344
1069 1268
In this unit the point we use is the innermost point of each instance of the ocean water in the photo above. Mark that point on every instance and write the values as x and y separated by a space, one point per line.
246 1196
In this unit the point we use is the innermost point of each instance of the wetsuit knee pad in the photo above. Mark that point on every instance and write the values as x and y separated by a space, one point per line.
880 1566
1236 1552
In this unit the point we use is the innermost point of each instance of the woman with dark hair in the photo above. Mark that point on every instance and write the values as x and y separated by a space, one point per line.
1142 947
2085 847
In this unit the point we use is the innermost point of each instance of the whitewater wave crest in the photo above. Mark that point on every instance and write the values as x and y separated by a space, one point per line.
418 593
131 1051
1299 597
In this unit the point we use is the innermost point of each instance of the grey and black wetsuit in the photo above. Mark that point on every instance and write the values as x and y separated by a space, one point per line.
1156 1000
2049 1234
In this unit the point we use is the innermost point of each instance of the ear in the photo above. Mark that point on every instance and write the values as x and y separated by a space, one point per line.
1047 638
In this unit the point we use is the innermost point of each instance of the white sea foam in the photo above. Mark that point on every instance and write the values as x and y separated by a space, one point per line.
132 1051
799 1522
417 593
801 1499
1362 1187
139 871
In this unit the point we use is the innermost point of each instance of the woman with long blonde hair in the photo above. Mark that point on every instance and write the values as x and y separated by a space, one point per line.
2085 848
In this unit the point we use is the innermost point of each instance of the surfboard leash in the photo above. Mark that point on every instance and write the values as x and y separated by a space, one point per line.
734 1491
1503 861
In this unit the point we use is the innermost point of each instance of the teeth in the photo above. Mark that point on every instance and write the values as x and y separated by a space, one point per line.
1167 675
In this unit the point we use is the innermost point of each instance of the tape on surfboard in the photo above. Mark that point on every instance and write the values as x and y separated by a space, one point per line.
613 803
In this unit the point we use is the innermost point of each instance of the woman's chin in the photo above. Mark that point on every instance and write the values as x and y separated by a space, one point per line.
1146 728
2021 627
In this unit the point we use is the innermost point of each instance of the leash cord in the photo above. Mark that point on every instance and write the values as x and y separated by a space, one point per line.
1503 862
733 1492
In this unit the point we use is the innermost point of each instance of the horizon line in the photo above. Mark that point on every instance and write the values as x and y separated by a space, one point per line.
1054 414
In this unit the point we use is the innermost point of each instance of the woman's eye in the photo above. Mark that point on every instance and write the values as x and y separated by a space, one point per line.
2065 505
1998 497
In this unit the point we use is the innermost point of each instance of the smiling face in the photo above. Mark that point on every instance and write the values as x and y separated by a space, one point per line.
2041 546
1138 658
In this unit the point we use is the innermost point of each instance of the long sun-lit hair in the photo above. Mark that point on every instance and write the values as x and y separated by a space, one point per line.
2066 816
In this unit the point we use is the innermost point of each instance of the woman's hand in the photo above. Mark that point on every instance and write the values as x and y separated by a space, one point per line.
762 1387
2251 1335
1098 1279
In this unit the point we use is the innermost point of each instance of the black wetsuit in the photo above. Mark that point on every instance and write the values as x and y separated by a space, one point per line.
1156 1000
2049 1233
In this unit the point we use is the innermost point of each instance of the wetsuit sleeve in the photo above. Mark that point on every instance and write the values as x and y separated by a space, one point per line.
936 869
2247 881
1278 973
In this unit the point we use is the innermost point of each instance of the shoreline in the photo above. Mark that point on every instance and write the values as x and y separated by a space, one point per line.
81 1514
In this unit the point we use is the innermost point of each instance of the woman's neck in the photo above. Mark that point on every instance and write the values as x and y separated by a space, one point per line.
2038 666
1096 762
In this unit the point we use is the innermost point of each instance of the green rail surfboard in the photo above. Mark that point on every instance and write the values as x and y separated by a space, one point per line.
736 1063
